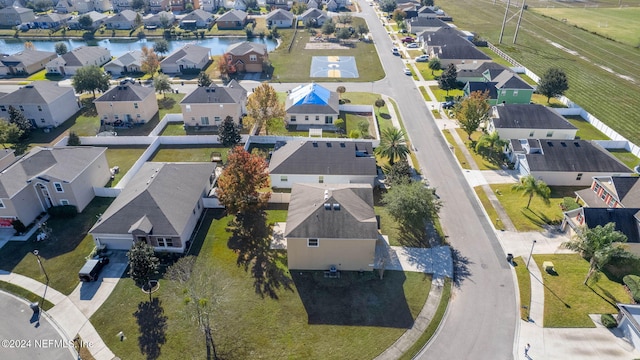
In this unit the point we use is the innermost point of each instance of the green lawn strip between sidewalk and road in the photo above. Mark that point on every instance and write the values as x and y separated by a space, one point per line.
524 286
462 160
25 294
481 162
488 207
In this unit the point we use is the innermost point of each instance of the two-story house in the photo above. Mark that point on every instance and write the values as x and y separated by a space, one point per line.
45 104
247 56
127 104
70 62
210 105
504 87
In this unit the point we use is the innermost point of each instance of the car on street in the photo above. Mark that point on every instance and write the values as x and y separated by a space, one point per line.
422 58
407 71
448 104
407 39
413 46
395 51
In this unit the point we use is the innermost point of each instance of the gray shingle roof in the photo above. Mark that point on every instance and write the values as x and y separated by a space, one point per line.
245 47
627 189
233 15
280 14
38 92
190 52
509 80
529 116
449 43
475 70
126 92
123 16
164 193
232 93
483 86
83 55
27 57
323 158
63 163
197 14
312 13
353 218
622 217
133 57
574 156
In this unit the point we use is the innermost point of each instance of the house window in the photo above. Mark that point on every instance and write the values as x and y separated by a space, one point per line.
515 92
58 187
188 108
64 202
165 242
579 177
603 195
531 134
283 178
204 120
42 120
313 242
135 105
39 108
321 179
21 108
3 108
292 118
549 133
306 118
328 119
253 58
1 205
503 93
216 119
612 202
317 117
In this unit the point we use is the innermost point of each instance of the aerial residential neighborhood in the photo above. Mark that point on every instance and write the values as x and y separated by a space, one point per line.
343 179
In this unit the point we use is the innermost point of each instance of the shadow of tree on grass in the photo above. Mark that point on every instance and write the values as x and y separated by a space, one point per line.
152 324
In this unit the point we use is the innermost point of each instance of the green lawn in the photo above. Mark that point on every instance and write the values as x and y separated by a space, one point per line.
355 317
441 95
25 294
586 131
352 122
483 164
174 129
423 67
567 302
187 154
425 94
626 157
542 100
123 157
495 57
63 256
488 207
524 286
539 214
462 160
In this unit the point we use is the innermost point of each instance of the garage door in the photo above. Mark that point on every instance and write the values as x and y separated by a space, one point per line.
116 243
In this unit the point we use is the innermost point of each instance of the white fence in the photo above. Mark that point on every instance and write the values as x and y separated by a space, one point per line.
280 198
612 144
176 118
569 111
106 192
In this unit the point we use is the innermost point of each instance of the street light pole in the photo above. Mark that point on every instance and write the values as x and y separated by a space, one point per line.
37 254
531 253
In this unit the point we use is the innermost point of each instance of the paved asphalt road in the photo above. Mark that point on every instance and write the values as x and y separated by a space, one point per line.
21 339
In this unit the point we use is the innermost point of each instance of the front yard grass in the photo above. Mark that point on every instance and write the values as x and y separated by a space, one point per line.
426 73
488 207
539 214
354 317
187 153
124 158
567 302
586 131
441 95
524 286
63 256
425 94
462 160
481 162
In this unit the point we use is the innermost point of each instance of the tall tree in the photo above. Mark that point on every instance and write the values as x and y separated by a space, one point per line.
341 90
298 8
90 78
472 111
449 78
599 245
17 117
343 33
399 15
165 22
264 108
137 22
329 27
393 145
553 83
412 205
137 5
61 48
434 64
142 262
74 139
397 174
243 184
162 84
203 79
490 145
85 22
531 187
228 133
225 66
426 2
362 29
150 62
388 5
161 46
9 133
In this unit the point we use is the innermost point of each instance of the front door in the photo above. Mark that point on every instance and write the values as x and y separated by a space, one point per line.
44 195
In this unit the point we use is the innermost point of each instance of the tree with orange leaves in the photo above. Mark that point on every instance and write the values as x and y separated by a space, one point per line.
244 182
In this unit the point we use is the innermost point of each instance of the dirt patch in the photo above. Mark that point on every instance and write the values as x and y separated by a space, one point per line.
325 46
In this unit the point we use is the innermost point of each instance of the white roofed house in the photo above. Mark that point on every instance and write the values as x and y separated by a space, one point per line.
44 103
127 104
129 62
70 62
312 105
190 58
209 106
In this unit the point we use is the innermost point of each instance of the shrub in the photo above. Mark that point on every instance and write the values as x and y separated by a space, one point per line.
63 211
608 321
569 204
633 283
18 226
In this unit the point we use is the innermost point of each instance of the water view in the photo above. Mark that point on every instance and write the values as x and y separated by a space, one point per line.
118 47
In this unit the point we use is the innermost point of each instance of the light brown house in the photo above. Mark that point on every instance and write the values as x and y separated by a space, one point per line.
233 20
248 56
127 104
209 106
47 177
27 61
331 226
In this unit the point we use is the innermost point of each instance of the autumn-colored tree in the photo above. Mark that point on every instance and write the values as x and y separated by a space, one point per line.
243 184
264 108
28 45
225 66
150 62
472 111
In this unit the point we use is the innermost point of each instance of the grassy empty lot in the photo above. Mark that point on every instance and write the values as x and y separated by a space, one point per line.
187 154
123 157
567 302
355 317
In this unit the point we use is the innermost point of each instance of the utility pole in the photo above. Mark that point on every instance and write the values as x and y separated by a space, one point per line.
504 21
531 253
515 36
37 254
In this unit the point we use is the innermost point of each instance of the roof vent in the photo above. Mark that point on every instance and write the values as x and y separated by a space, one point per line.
564 144
328 144
550 143
577 144
315 144
336 206
327 206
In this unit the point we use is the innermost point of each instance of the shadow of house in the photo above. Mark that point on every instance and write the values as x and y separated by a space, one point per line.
354 299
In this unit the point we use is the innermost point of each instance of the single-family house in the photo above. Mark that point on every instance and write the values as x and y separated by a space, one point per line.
312 4
332 5
121 5
313 16
529 121
280 18
331 227
210 105
322 162
126 104
426 12
47 177
197 19
27 61
51 21
159 20
13 15
312 104
233 20
248 56
418 25
161 206
239 5
564 162
97 19
611 192
70 62
281 4
210 5
129 62
475 72
190 58
156 6
181 5
67 6
124 20
504 87
451 47
45 104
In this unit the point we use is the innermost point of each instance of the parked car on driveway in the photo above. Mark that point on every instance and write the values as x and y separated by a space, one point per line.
422 58
413 46
407 39
448 104
91 269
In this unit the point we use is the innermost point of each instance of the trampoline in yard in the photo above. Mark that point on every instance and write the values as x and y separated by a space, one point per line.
334 67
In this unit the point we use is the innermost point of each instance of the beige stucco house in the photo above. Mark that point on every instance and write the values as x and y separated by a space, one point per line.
126 104
44 103
209 106
47 177
331 226
70 62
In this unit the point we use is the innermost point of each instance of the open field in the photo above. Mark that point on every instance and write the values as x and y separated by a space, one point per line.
619 24
606 88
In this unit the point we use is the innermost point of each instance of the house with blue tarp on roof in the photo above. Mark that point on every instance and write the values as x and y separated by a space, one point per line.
312 105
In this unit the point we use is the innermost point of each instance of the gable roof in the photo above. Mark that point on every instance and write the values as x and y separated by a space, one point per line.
477 70
312 99
324 157
133 57
191 52
126 92
232 93
27 57
624 218
124 15
15 10
431 24
313 13
52 17
197 14
94 15
38 92
244 47
156 18
626 189
574 156
449 43
529 116
160 194
233 15
46 164
82 55
483 86
352 218
280 14
507 79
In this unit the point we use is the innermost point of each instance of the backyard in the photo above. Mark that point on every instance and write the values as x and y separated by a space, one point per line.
124 158
187 153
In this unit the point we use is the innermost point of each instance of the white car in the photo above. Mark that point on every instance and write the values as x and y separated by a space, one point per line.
395 51
422 58
407 71
413 46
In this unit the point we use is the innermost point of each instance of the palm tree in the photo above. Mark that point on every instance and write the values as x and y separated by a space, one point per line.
530 186
491 143
392 145
599 245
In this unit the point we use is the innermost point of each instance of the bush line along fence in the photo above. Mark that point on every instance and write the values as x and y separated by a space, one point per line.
573 108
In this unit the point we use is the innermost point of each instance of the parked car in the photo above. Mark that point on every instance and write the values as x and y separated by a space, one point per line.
422 58
407 71
395 51
448 104
407 39
91 269
413 46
